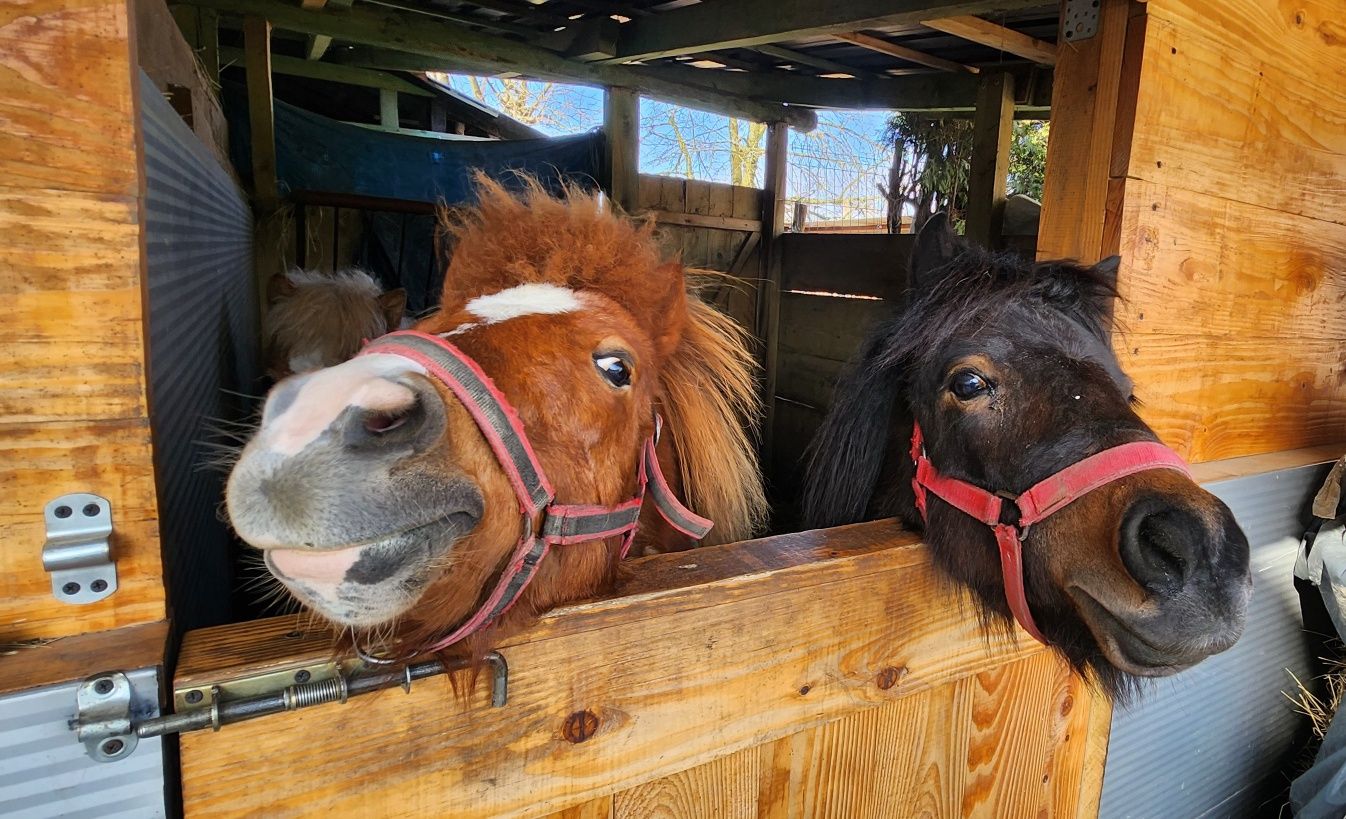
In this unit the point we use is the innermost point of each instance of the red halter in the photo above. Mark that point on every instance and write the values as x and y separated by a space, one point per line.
1044 498
561 525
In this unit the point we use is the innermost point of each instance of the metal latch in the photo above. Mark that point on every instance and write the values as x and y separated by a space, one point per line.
78 553
103 716
1079 20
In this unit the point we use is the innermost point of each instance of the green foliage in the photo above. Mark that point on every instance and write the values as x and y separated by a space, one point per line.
933 159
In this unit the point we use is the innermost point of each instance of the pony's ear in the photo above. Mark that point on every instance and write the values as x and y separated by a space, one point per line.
394 304
279 287
936 246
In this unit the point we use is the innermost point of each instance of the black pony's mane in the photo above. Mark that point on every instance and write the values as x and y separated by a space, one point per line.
973 288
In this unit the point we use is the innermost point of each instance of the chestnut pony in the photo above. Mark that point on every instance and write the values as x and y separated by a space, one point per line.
379 502
1007 368
316 320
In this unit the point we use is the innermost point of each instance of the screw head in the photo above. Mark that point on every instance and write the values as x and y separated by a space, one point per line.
193 697
91 510
112 747
64 511
98 585
103 686
70 588
302 676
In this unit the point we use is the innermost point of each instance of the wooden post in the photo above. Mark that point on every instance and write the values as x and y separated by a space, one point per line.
388 116
991 133
208 43
768 293
439 116
268 253
621 118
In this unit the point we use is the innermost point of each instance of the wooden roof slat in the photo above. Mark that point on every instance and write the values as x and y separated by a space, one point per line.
901 52
333 72
810 60
989 34
719 24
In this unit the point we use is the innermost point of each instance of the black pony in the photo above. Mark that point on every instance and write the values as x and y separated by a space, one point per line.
1008 368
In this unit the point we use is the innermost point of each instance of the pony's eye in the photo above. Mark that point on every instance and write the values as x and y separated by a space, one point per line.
614 369
966 385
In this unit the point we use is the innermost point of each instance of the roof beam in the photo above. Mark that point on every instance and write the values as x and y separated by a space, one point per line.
317 43
989 34
332 72
901 52
719 24
823 64
456 48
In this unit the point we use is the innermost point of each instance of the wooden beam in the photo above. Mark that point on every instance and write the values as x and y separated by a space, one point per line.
388 115
995 36
746 23
794 57
317 46
621 124
991 132
668 217
440 45
777 160
312 4
901 52
261 110
333 72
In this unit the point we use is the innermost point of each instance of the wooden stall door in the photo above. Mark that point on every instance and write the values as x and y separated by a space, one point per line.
824 674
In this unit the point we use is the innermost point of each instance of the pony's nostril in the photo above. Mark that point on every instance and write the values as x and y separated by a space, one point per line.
1160 545
379 423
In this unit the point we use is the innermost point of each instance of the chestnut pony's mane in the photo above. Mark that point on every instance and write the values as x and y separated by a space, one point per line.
707 395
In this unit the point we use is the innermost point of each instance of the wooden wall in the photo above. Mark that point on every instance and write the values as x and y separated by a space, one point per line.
827 673
72 389
1222 184
712 226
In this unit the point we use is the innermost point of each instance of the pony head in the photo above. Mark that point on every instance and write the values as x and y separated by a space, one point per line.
379 503
317 320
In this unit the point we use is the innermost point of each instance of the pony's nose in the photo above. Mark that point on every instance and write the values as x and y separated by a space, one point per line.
398 419
1161 544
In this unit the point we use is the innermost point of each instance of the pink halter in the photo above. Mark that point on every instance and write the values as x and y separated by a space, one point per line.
561 525
1043 499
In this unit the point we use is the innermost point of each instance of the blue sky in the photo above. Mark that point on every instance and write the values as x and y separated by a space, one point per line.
836 168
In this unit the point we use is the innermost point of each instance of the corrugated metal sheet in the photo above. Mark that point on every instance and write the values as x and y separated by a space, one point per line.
44 771
203 352
1205 742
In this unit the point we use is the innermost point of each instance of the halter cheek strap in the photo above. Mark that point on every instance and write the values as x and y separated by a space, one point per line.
1011 521
558 524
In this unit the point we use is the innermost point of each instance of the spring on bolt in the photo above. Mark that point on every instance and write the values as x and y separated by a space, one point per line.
316 693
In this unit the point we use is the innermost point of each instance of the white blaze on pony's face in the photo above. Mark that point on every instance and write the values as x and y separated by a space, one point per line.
364 479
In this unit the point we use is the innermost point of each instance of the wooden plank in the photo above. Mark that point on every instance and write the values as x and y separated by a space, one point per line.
61 131
989 177
1085 104
437 45
1200 263
600 808
621 123
797 58
667 217
333 72
1240 467
777 159
902 52
801 664
388 115
992 35
43 461
1263 124
261 111
65 659
853 265
725 788
745 23
828 327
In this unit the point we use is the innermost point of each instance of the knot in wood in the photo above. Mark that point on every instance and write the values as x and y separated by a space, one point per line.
1067 704
580 726
888 677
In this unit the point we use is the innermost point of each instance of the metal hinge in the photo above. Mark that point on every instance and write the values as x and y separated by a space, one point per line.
109 728
1079 20
104 717
78 551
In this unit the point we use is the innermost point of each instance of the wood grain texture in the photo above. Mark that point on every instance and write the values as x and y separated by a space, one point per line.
74 658
821 631
73 411
1244 100
725 788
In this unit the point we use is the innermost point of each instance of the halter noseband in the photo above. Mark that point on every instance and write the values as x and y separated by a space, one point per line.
1011 522
560 524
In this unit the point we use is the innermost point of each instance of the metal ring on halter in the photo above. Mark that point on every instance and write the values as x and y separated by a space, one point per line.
374 659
